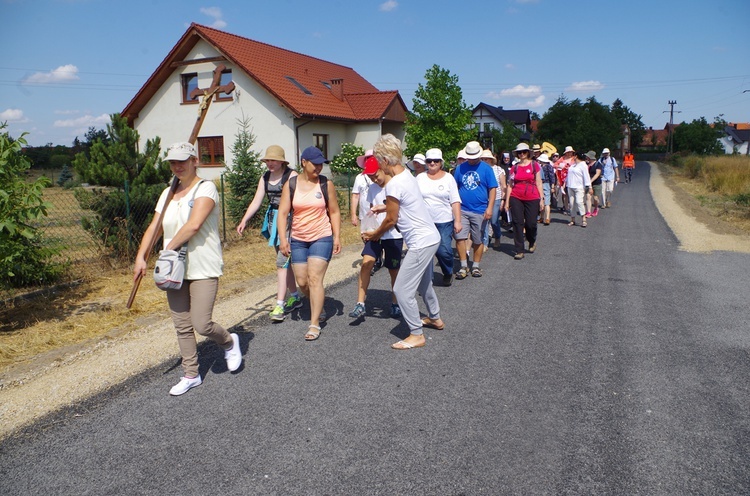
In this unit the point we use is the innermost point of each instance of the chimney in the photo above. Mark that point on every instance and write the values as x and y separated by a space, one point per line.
337 88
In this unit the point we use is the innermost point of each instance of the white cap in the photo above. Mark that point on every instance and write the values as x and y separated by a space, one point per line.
181 152
606 150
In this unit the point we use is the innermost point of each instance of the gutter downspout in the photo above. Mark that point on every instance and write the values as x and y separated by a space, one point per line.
296 138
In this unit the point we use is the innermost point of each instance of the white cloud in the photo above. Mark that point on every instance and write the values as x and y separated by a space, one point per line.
510 67
388 6
585 86
215 12
12 115
84 122
522 91
62 74
536 102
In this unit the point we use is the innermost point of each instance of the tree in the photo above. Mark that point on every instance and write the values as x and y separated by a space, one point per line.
632 120
698 137
505 139
24 259
584 126
439 118
65 176
121 216
244 174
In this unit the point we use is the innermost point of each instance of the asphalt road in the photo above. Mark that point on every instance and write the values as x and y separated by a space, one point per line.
608 362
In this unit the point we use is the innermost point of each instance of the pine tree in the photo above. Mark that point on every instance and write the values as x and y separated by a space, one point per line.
244 175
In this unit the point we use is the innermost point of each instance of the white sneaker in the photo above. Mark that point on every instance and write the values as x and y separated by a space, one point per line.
233 355
185 385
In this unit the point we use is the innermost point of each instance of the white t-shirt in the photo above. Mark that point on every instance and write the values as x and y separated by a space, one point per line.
578 176
439 195
376 196
361 184
414 220
204 259
499 172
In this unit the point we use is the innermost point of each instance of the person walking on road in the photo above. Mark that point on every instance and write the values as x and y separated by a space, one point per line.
316 223
390 243
628 166
610 176
578 183
524 198
440 193
270 185
406 209
192 219
476 187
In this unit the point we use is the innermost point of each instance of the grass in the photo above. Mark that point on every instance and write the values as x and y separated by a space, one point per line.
721 184
96 307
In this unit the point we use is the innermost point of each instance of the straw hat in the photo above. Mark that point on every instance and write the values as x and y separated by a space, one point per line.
275 152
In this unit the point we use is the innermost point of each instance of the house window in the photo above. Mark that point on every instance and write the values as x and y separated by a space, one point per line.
487 127
189 83
226 78
211 151
321 142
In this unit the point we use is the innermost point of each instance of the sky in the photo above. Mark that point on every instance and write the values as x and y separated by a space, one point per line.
68 64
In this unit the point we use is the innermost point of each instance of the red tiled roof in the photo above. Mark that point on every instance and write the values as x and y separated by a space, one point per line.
272 67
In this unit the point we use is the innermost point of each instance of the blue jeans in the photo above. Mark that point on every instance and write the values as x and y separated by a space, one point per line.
320 248
494 223
445 250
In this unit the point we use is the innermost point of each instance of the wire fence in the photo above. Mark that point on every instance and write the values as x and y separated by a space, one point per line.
89 244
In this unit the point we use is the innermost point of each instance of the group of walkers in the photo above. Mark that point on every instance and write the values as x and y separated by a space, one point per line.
408 216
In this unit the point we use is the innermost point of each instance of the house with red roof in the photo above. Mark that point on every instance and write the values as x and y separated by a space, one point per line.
292 100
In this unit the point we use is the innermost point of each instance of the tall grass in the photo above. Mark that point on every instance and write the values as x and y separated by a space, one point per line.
727 176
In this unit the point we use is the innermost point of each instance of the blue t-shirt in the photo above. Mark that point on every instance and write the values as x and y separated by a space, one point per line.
474 184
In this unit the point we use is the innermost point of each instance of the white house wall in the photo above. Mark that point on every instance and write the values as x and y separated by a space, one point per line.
270 123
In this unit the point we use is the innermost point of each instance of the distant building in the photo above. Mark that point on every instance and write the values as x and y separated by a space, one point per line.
291 99
655 139
736 138
488 117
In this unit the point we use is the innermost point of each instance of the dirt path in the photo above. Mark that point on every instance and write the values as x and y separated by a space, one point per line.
70 376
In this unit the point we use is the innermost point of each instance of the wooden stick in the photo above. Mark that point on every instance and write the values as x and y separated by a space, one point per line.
152 241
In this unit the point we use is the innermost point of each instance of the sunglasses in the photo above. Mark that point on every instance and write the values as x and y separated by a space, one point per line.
432 161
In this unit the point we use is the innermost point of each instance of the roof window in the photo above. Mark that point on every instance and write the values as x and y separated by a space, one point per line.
298 85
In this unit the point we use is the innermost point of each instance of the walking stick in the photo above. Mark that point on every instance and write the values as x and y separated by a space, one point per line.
207 96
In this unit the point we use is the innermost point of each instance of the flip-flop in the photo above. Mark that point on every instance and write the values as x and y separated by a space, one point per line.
313 333
403 345
430 325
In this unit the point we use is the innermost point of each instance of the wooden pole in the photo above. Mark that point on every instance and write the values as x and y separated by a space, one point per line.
207 96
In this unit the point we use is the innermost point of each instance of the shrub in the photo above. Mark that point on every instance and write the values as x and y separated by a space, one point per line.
346 162
24 260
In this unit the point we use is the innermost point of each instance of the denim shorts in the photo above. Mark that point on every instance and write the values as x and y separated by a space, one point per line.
320 248
546 188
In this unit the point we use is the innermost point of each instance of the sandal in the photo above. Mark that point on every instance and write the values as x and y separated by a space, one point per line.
572 223
313 333
584 224
403 345
430 323
476 272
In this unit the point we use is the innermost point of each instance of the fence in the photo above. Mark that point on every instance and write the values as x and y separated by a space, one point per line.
63 227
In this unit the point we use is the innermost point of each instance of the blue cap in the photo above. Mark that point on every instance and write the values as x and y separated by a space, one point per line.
314 155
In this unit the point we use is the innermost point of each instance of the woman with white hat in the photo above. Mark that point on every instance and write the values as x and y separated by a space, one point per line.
270 185
523 197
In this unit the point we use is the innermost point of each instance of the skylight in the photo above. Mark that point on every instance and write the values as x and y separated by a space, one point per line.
298 85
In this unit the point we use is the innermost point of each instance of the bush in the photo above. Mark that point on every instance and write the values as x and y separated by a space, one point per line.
23 258
346 162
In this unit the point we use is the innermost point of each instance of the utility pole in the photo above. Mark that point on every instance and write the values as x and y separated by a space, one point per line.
747 147
672 103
